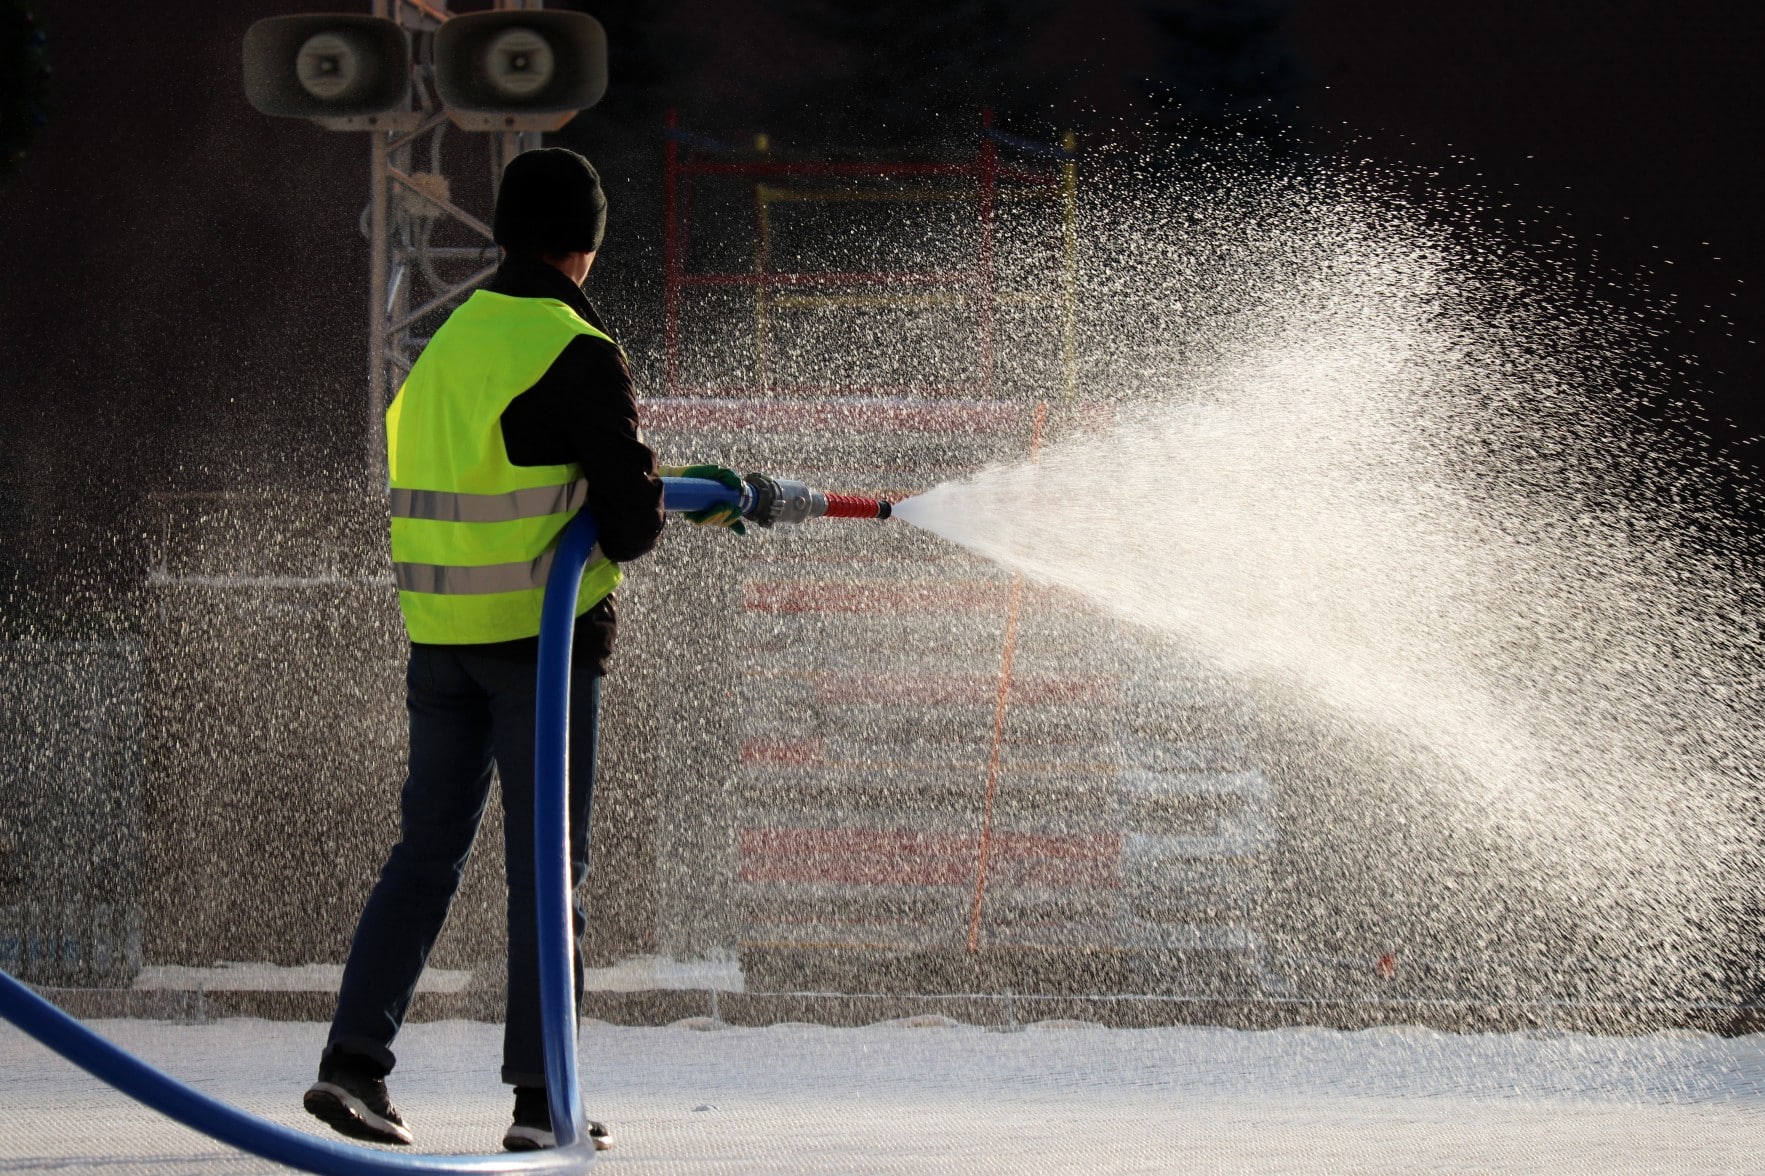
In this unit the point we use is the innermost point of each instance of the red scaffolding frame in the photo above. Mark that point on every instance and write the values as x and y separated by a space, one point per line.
975 404
978 284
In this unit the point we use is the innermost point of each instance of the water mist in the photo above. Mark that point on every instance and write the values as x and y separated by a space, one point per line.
1379 467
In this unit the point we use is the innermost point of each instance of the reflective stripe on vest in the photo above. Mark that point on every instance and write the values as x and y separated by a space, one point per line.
448 580
473 534
447 506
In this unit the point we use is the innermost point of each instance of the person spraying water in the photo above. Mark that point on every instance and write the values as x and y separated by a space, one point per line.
519 415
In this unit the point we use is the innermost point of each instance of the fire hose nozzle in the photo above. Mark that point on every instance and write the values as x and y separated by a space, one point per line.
781 500
766 500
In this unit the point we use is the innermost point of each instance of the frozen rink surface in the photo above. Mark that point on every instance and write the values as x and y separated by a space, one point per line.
929 1098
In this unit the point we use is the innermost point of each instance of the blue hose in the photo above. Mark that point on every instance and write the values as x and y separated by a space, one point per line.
157 1089
679 494
551 829
551 783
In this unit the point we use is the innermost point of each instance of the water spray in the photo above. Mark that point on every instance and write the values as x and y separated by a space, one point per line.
769 501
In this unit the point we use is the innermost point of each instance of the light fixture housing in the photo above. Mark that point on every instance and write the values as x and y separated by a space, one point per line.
517 63
326 65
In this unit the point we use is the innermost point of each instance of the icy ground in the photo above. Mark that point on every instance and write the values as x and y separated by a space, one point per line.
901 1099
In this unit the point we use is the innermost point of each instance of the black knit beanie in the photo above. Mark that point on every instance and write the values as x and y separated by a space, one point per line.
550 201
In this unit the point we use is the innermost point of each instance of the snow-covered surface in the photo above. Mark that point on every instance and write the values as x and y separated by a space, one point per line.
899 1099
228 976
643 973
637 974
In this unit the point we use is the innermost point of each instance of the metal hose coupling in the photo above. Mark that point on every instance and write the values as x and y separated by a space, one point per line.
781 500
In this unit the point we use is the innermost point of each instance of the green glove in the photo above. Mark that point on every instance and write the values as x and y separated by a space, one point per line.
725 515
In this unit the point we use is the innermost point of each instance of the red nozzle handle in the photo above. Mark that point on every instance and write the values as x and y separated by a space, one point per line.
850 506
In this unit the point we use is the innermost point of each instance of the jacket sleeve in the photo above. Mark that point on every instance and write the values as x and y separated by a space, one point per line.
584 409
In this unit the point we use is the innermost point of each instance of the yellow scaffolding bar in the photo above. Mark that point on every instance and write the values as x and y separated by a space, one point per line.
835 301
766 193
832 301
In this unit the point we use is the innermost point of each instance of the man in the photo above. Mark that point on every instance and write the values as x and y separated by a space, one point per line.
519 411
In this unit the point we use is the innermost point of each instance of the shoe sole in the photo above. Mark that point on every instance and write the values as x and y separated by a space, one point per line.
348 1115
521 1139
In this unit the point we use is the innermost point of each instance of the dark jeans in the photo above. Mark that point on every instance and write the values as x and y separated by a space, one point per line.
466 709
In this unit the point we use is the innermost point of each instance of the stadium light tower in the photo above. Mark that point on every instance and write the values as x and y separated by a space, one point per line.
409 71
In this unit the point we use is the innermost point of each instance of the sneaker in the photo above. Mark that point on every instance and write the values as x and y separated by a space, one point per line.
351 1097
532 1128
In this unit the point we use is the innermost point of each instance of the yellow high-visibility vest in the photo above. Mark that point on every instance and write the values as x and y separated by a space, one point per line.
473 534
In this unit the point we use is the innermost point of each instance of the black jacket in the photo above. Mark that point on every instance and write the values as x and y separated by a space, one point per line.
583 410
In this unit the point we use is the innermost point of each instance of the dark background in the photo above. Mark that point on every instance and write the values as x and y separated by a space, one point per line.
183 300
